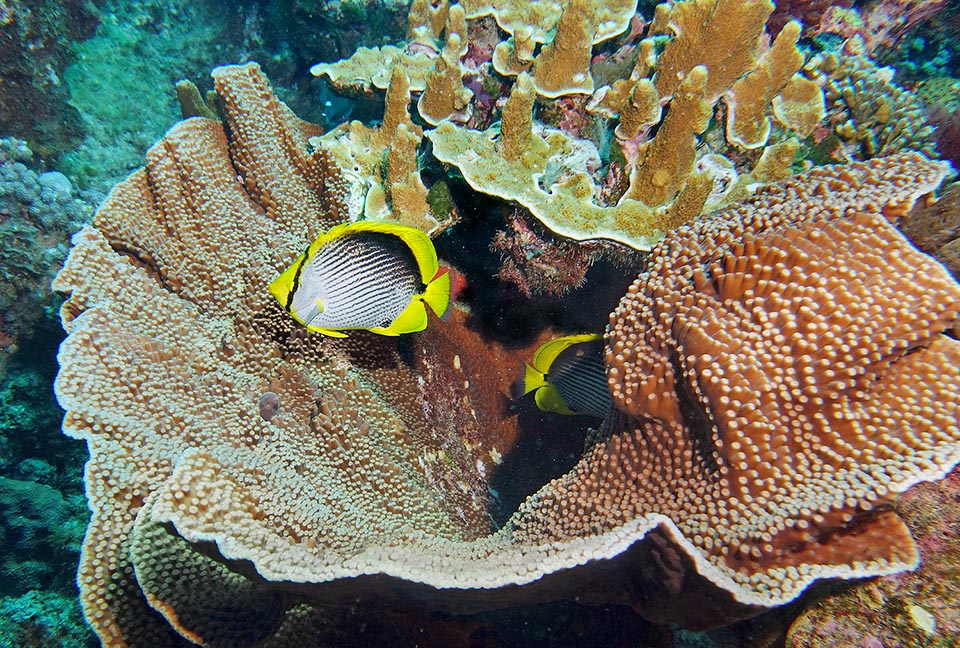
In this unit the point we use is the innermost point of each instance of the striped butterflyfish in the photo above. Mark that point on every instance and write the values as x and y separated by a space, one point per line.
569 377
367 275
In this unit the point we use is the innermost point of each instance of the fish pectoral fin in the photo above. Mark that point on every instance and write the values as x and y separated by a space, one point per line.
412 319
549 400
319 304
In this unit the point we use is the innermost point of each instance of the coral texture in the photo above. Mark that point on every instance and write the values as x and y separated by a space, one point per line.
212 521
546 148
786 369
869 112
935 228
909 609
35 48
38 212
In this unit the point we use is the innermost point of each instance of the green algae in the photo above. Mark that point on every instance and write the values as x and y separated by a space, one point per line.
123 80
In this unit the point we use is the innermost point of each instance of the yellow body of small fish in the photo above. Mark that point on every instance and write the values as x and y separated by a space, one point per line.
365 276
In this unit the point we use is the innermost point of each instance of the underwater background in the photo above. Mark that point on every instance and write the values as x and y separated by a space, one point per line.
86 88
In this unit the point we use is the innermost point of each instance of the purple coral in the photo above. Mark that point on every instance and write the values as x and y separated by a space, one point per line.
540 265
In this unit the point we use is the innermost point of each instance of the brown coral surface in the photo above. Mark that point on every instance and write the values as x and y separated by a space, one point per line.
782 371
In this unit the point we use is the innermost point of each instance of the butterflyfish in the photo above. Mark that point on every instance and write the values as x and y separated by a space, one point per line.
569 377
367 275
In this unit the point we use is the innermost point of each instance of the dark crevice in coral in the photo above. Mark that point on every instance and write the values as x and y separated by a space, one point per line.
500 311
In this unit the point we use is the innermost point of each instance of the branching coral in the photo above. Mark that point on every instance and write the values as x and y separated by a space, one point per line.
872 115
581 184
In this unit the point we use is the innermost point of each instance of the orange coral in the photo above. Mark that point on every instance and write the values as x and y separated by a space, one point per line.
786 373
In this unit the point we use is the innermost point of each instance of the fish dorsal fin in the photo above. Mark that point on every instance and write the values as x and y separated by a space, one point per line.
548 352
548 399
412 319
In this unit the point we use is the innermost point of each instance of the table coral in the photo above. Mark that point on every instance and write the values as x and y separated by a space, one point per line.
363 486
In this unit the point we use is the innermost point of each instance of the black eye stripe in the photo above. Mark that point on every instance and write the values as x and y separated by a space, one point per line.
296 283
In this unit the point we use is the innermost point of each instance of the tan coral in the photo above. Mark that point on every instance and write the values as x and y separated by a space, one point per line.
445 96
371 67
800 106
546 171
802 339
540 19
363 487
514 55
563 65
641 108
426 20
668 159
750 96
722 35
379 163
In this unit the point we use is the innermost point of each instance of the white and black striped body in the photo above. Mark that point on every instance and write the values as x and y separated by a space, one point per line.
579 376
361 280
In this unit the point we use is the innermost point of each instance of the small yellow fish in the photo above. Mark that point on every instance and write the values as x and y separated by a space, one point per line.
367 275
569 377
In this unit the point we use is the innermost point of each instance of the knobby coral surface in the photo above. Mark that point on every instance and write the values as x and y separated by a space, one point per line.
774 395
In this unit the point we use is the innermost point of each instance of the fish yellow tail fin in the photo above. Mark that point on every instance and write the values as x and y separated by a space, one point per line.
437 293
532 379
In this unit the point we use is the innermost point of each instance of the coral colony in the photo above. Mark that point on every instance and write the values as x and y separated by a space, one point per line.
783 367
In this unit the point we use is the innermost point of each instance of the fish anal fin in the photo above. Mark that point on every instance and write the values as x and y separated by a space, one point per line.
549 400
412 319
325 331
532 379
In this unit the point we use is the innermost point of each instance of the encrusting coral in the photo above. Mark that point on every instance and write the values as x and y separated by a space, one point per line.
826 365
870 113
